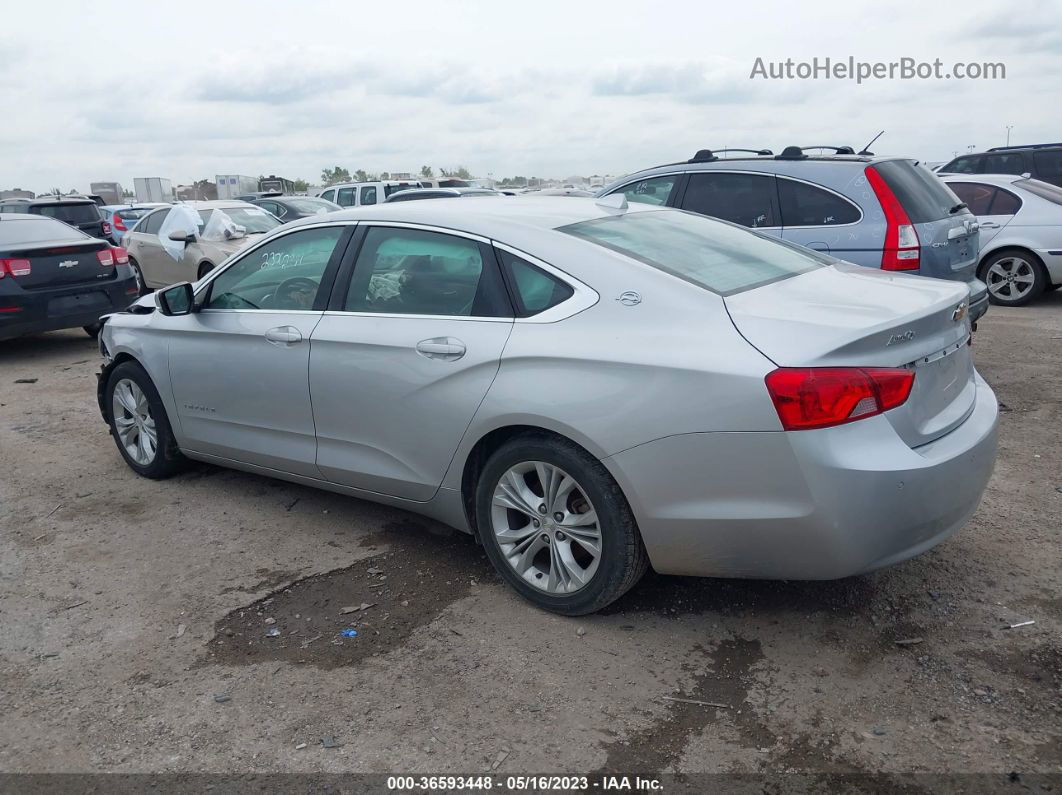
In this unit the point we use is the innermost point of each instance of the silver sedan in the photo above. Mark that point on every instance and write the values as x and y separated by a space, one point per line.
589 388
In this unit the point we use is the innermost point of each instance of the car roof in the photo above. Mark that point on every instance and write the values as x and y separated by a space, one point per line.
486 216
214 204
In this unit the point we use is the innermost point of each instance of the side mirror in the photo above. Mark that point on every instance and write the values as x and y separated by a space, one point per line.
181 236
236 233
176 300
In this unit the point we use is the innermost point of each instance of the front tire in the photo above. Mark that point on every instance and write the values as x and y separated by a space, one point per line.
556 525
139 424
1014 277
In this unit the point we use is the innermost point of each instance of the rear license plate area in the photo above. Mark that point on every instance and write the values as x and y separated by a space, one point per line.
77 304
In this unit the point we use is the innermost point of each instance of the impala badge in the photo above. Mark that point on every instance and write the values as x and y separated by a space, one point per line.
896 339
960 312
68 263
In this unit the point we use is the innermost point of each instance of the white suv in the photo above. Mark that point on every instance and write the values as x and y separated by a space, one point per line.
358 194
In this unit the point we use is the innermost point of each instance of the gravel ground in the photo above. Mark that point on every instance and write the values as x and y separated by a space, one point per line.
136 620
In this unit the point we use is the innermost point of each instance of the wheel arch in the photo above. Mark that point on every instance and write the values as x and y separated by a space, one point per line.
104 375
493 439
1008 246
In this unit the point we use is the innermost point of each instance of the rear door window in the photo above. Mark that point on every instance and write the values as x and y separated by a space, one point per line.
345 197
746 199
152 224
978 197
655 190
1005 203
1008 163
805 205
922 194
368 195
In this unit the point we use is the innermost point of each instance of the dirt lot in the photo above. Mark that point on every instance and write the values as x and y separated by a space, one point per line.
135 621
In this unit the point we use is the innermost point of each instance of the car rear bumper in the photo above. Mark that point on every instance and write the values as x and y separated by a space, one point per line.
65 307
809 505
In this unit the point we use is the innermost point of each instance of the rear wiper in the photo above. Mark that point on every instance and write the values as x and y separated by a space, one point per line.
956 208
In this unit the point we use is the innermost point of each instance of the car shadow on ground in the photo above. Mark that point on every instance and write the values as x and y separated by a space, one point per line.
24 350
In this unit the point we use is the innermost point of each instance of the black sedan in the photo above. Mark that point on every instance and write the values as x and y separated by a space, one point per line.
288 208
53 276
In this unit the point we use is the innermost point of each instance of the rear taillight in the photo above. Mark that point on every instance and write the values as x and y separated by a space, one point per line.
119 224
902 251
106 257
15 267
106 229
121 256
820 397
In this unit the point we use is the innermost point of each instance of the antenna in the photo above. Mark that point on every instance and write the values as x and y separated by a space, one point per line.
864 151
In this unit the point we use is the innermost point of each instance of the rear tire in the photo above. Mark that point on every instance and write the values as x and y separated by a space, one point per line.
139 425
572 557
1014 277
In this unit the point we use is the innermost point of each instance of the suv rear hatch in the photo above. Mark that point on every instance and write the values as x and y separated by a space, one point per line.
948 239
81 215
847 316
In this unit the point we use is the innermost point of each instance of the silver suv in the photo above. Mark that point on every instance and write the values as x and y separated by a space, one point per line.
880 212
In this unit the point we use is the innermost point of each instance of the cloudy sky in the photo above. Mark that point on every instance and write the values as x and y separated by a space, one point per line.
109 91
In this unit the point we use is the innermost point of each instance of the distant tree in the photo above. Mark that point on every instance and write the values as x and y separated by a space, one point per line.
331 176
462 173
361 176
385 175
426 172
205 189
301 185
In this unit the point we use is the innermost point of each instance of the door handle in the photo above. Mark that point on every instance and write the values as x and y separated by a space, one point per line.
989 225
284 336
448 349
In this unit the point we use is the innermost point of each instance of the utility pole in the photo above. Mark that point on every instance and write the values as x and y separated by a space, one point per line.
1009 128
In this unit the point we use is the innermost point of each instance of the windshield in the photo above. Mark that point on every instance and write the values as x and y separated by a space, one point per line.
1044 190
715 255
70 213
254 220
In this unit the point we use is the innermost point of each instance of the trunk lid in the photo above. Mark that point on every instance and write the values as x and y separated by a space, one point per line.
848 316
63 264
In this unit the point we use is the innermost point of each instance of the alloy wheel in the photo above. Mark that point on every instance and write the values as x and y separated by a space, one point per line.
546 527
1010 278
133 422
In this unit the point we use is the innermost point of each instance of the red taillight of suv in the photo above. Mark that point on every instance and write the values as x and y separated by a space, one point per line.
119 224
902 251
821 397
15 267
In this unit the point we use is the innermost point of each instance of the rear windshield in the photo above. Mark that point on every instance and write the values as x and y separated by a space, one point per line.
70 213
311 205
1044 190
132 215
17 232
718 256
923 196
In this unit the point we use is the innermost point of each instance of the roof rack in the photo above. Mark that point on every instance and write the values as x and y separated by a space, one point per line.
792 153
840 150
708 156
1027 146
